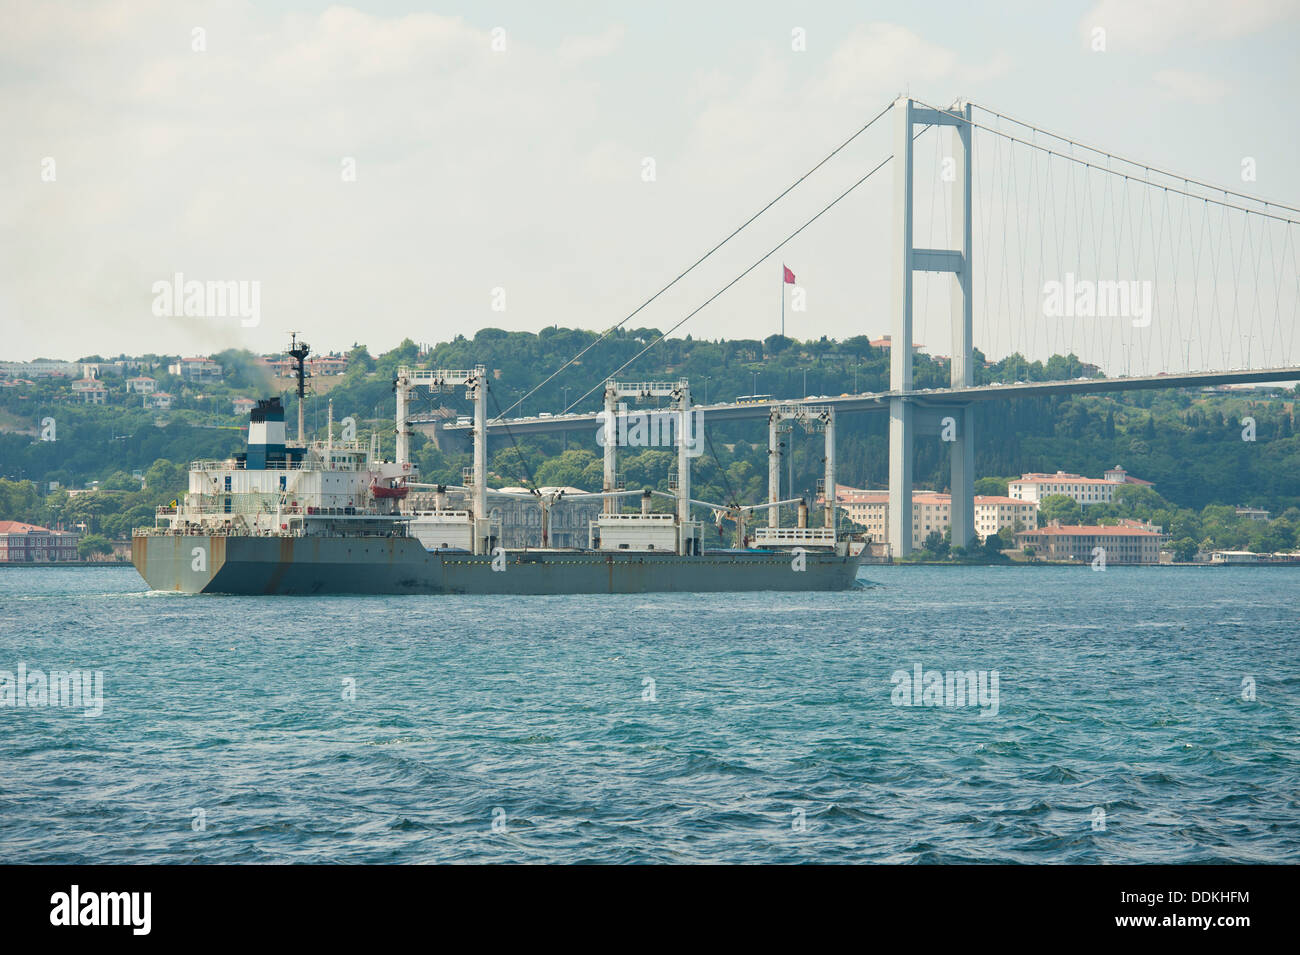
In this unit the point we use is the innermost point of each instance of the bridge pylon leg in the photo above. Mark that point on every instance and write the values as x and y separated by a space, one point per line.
900 476
962 462
900 353
962 510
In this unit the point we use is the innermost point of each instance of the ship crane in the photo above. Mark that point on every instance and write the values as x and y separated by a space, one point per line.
781 420
474 381
613 430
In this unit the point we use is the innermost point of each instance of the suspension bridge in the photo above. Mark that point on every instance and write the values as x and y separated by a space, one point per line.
1157 279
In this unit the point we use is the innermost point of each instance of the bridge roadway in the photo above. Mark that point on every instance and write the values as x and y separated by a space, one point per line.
929 398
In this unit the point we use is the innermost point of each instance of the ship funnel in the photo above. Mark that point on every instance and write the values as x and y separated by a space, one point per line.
266 437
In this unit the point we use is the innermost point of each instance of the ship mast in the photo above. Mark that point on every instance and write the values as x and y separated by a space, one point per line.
299 351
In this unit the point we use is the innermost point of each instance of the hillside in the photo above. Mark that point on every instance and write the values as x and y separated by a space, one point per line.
1189 443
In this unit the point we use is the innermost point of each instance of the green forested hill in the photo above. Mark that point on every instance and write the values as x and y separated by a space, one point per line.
1190 444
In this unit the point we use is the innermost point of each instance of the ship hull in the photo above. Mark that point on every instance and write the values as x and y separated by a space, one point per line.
401 565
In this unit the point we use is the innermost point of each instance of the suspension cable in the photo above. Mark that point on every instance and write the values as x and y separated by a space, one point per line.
719 292
1144 166
1156 185
528 475
698 261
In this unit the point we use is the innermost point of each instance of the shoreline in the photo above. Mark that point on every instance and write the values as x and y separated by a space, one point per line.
67 563
86 564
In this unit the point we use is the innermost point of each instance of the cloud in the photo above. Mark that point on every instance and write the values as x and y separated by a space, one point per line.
1153 26
474 170
578 49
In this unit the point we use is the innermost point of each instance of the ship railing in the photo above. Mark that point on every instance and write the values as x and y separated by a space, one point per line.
637 518
233 465
231 530
439 375
266 508
788 536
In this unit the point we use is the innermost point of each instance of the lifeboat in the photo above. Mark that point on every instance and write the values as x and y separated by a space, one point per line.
389 493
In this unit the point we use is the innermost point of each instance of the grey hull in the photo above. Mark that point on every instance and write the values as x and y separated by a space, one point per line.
400 565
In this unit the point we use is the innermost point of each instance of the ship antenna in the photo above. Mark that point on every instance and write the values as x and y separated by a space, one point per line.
299 351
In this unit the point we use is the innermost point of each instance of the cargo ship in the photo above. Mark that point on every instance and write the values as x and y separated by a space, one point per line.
332 517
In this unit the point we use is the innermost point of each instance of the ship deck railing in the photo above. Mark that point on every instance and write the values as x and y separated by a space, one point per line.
222 531
233 465
789 536
268 509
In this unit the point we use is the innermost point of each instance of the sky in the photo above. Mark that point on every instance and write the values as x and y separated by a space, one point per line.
390 170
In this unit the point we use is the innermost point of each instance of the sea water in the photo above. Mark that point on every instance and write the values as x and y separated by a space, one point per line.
1132 715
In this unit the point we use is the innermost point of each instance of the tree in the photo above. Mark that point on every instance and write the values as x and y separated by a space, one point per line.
120 481
935 545
992 548
570 469
163 476
1059 507
992 486
1185 550
359 359
93 544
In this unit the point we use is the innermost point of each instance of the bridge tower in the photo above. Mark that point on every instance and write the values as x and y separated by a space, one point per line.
907 260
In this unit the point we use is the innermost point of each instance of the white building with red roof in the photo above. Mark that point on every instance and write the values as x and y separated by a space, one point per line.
932 511
27 543
1085 490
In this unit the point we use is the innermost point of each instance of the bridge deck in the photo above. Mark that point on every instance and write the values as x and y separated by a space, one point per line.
936 397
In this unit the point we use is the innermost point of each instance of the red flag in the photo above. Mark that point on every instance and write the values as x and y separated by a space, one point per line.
789 276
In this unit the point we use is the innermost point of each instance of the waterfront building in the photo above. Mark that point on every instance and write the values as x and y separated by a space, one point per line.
1084 490
1078 542
932 511
1234 557
24 543
993 513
